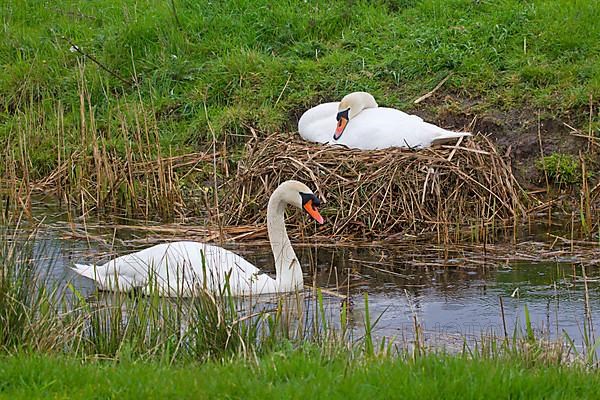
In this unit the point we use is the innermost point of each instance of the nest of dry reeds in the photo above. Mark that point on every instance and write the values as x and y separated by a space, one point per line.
381 194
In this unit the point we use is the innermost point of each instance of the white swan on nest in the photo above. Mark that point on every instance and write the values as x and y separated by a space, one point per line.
184 268
358 122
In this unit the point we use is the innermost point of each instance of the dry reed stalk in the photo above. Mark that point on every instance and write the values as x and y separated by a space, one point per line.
107 181
141 180
435 89
380 194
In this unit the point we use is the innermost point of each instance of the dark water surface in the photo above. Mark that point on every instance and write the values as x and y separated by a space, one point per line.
450 293
450 301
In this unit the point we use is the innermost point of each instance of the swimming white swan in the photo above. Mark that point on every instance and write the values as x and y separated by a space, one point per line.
367 126
181 268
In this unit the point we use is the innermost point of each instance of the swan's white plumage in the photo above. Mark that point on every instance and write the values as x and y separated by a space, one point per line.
318 123
371 127
186 268
179 269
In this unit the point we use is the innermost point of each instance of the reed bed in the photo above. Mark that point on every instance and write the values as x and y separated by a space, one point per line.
448 193
121 167
126 186
111 165
591 205
382 194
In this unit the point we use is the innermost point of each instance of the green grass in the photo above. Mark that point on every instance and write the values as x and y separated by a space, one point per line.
299 374
560 168
228 63
36 318
132 346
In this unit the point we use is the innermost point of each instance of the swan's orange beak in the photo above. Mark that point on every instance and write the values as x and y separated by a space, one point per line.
342 118
340 128
313 211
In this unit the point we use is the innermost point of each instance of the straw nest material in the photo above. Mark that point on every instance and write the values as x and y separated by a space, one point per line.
380 194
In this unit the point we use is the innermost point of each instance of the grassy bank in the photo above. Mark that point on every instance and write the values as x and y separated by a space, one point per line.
142 107
291 374
177 73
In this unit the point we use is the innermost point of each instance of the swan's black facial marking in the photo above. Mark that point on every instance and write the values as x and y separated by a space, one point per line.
306 197
343 114
310 202
342 117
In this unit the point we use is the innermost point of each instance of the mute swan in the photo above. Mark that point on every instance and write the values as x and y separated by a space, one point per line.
181 268
358 122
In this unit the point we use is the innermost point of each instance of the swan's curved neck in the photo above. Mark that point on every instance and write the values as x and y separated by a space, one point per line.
359 101
289 272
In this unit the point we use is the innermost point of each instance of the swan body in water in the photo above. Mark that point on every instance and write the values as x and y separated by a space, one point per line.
184 268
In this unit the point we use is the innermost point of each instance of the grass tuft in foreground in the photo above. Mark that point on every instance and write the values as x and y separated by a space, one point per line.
40 317
60 344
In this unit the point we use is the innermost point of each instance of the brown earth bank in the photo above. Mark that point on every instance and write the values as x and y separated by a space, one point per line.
524 135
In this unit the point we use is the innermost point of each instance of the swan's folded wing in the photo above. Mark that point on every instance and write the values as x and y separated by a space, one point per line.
318 124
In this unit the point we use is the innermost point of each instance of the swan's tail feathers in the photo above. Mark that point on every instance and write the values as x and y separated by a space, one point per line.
448 136
92 272
89 271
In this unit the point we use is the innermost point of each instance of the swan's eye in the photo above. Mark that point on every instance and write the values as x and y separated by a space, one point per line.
310 202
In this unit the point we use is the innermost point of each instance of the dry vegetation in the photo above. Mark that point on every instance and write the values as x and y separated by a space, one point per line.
450 193
382 194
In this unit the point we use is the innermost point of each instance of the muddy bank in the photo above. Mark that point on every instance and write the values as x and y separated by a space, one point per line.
522 136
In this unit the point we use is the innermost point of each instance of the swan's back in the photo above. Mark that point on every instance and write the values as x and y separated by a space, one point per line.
373 128
382 127
318 123
180 269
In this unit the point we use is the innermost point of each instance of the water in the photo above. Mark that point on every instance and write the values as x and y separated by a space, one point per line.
452 303
452 294
450 299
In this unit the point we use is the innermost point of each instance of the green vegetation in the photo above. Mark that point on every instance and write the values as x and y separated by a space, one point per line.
59 344
181 70
103 95
300 374
36 317
560 168
215 326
